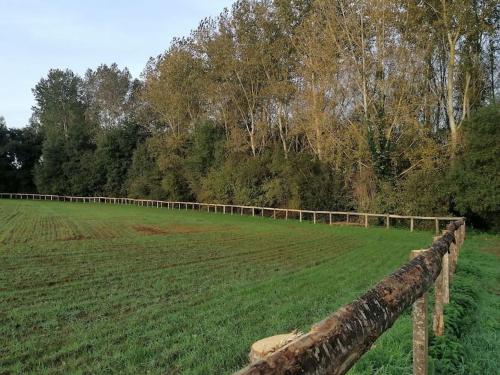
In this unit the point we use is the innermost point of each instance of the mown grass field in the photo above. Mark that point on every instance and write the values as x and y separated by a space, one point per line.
92 288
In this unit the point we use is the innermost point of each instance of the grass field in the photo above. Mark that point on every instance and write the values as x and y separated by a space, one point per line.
89 288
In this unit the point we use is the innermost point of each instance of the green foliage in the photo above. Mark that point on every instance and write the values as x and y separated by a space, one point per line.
113 158
447 352
476 175
6 167
273 180
144 178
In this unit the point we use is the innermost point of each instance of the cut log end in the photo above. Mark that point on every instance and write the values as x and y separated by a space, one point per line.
262 348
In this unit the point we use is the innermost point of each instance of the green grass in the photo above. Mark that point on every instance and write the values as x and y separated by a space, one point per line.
89 288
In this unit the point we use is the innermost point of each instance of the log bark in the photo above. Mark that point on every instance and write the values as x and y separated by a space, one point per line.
335 344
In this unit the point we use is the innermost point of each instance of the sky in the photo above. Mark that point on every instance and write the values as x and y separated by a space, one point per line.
37 35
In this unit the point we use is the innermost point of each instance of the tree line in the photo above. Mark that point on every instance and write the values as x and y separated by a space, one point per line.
373 105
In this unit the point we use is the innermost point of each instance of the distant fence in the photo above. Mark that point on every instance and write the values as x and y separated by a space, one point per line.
335 344
328 217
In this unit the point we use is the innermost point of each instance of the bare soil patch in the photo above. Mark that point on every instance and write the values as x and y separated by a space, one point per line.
152 230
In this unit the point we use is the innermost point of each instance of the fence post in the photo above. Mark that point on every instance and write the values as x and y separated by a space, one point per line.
388 222
438 316
330 217
437 225
253 211
300 216
366 221
411 224
286 214
420 331
274 213
314 216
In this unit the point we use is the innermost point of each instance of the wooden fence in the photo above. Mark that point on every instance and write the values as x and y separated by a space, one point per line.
328 217
335 344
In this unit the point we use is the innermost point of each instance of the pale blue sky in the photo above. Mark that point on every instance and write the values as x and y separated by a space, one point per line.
36 35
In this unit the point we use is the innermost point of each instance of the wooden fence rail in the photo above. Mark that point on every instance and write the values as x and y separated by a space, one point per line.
334 345
286 213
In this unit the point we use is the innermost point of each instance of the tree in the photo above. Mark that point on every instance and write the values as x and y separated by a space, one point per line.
6 158
108 95
67 137
475 179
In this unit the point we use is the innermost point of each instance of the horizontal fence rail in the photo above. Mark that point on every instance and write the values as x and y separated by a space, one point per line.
335 344
284 213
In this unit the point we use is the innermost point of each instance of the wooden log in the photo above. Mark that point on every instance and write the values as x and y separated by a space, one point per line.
335 344
420 330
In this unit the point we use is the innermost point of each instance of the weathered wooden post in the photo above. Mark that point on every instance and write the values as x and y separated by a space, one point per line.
286 214
314 217
347 218
420 336
454 247
253 211
330 218
411 224
438 316
274 213
300 216
436 222
420 331
262 212
388 221
366 221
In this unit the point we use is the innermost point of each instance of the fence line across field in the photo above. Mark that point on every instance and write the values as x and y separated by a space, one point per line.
335 344
326 216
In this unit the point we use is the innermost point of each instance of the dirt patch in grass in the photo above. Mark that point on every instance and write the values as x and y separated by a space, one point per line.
75 237
495 250
152 230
